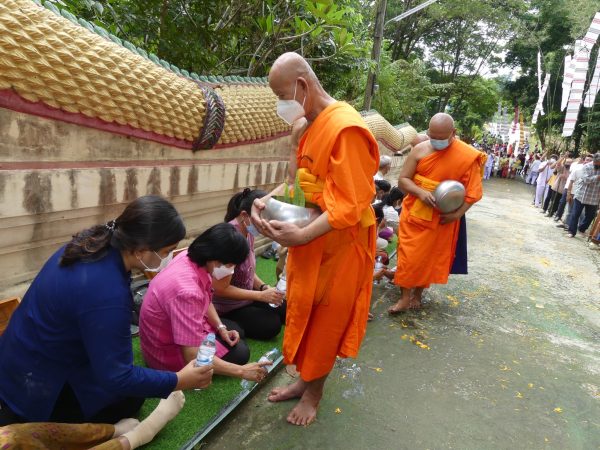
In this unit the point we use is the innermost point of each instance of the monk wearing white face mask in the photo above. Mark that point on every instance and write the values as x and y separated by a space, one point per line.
177 313
259 309
427 238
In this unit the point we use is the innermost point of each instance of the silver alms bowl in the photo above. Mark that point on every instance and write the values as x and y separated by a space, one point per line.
449 196
284 212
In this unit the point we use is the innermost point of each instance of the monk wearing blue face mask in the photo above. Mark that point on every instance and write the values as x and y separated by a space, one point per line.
243 297
427 238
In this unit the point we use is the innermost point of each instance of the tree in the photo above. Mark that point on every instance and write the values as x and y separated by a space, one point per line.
234 37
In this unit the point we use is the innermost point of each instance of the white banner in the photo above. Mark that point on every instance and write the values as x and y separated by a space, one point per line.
539 72
581 59
590 96
538 108
566 84
581 64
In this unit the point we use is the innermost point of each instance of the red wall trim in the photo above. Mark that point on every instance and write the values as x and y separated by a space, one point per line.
43 165
11 100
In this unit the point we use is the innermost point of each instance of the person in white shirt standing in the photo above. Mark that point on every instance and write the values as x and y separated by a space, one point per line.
546 169
535 165
385 164
564 201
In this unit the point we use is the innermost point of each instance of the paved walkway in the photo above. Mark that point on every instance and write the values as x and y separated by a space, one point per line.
507 357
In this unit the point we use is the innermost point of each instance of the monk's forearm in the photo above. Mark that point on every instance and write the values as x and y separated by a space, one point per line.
464 208
408 186
317 228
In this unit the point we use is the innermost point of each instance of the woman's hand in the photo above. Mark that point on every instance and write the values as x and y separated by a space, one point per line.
231 337
255 371
191 377
271 295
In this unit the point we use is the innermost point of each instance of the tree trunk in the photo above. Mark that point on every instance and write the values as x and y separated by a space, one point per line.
164 10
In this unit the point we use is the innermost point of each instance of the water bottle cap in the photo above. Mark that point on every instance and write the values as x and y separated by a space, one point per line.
211 337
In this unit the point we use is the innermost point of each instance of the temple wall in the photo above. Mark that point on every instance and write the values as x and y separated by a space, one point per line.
58 178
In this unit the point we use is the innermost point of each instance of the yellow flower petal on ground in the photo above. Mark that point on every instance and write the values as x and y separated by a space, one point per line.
557 410
519 395
530 385
338 411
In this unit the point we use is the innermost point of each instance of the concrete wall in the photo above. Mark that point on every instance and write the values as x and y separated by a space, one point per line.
58 178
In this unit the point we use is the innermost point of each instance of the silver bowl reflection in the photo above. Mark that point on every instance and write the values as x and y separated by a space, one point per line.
449 196
284 212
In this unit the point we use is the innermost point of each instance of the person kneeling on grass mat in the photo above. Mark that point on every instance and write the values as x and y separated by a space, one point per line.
177 312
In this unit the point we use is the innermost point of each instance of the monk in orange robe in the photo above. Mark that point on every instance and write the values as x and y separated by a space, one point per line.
427 238
330 262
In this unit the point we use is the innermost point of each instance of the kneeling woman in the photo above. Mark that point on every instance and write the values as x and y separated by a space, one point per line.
66 355
177 312
243 296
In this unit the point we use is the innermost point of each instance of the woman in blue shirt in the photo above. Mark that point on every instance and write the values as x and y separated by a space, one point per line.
66 355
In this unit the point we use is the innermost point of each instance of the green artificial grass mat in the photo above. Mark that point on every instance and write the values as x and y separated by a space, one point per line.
202 406
393 245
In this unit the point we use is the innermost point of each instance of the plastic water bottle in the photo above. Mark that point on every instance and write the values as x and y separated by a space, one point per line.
271 355
281 287
206 351
378 267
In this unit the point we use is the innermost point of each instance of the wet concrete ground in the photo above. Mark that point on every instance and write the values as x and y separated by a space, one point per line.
507 357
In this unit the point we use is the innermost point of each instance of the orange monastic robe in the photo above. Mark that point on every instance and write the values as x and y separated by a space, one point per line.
426 248
329 280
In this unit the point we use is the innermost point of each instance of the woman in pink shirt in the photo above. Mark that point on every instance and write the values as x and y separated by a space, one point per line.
177 312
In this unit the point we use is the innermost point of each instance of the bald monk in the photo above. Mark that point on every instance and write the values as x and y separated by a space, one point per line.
330 262
426 238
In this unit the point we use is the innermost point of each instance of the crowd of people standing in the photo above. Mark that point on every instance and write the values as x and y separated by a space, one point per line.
566 188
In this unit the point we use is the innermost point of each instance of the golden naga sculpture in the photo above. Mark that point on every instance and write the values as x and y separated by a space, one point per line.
55 65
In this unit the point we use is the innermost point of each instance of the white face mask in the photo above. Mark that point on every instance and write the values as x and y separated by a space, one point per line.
220 272
164 262
291 110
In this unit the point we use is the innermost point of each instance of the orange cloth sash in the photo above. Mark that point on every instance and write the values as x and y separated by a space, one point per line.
420 209
312 185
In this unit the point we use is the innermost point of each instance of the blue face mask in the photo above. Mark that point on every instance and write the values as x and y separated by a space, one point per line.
252 230
439 144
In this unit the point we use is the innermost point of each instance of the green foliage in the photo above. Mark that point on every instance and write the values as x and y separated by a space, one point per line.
299 198
439 59
404 92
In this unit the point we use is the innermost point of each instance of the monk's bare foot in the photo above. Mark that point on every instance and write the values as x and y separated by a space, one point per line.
415 305
371 317
415 299
305 412
283 393
399 306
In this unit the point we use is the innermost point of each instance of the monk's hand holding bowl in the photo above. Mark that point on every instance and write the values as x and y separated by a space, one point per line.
450 217
427 198
286 234
257 206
